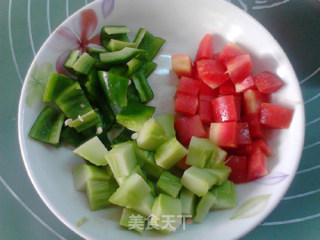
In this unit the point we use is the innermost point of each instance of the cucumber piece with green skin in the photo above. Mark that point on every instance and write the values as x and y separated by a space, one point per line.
122 56
226 196
170 153
131 193
201 151
151 45
165 209
55 85
198 180
73 102
188 201
203 207
218 160
71 59
48 125
93 150
145 205
147 162
134 115
169 184
167 123
121 159
85 121
136 169
115 87
99 192
143 87
151 136
221 174
126 220
83 173
84 64
116 45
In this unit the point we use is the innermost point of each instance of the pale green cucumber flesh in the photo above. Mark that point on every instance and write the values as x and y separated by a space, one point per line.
203 207
169 184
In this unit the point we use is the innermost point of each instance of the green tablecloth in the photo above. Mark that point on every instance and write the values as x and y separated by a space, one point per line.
24 27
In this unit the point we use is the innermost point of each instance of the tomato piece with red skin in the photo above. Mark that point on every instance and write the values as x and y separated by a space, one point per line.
244 134
275 116
256 165
238 101
262 145
245 84
205 49
206 93
224 109
189 86
182 164
186 127
252 100
181 65
205 112
212 72
267 82
239 68
231 50
186 104
227 88
238 165
224 134
255 128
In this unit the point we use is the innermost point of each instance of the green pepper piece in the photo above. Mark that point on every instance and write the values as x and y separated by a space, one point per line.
143 87
121 56
151 45
115 87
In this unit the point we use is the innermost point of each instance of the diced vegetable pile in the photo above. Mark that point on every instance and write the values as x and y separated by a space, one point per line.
220 99
160 169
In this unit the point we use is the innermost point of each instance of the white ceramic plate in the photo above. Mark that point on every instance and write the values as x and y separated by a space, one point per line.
182 23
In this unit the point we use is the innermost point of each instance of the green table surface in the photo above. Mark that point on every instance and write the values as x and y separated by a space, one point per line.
25 25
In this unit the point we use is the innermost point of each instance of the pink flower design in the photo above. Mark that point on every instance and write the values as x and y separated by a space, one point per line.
80 37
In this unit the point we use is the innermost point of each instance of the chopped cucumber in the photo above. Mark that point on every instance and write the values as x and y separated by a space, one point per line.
221 174
55 85
226 196
169 184
131 193
170 153
121 159
166 209
145 205
204 206
167 123
93 150
99 192
48 125
198 180
188 201
84 64
126 220
83 173
134 115
151 136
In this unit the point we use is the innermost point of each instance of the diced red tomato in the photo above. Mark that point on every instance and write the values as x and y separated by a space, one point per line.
186 104
245 84
244 133
224 109
267 82
231 50
182 164
189 86
181 65
227 88
239 67
262 145
255 127
252 100
205 50
237 100
212 72
186 127
205 112
206 93
256 165
275 116
238 165
224 134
